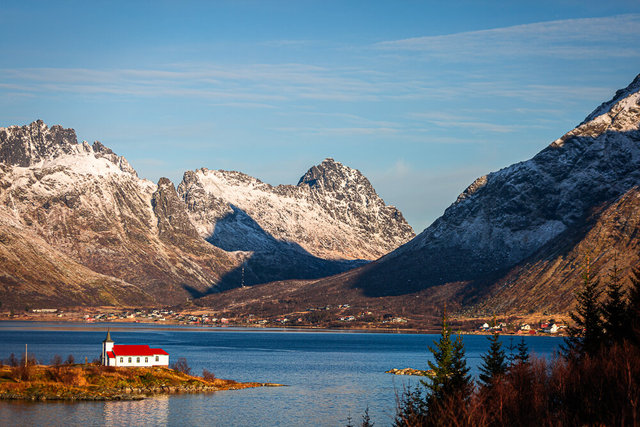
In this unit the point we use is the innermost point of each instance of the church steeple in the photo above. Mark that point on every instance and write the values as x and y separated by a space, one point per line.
107 346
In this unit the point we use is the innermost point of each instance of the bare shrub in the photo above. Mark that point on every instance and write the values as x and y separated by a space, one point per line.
12 361
181 365
73 376
56 361
603 389
208 375
70 360
25 369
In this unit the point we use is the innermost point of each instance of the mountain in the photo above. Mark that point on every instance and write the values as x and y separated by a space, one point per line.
79 227
87 208
514 242
36 274
331 221
547 281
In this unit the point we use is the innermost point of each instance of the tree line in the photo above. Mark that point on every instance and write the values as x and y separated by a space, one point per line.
593 380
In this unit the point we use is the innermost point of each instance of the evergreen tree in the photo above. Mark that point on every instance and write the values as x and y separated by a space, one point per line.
494 363
451 373
523 353
460 377
614 309
366 419
412 411
633 307
450 385
511 357
586 336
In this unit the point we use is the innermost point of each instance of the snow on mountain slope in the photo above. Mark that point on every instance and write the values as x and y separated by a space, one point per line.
36 145
89 203
36 274
508 215
333 213
547 280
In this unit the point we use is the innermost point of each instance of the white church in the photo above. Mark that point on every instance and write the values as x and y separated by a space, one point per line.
132 355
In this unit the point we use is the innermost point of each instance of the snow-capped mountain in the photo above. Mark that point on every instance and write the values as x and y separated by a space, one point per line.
107 236
323 225
333 212
507 216
37 146
90 207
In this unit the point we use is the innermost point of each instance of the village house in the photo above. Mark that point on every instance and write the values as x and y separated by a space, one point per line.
132 355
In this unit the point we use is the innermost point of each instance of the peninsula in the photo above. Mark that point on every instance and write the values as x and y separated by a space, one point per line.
76 382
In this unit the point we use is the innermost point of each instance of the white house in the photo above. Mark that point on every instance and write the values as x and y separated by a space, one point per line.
132 355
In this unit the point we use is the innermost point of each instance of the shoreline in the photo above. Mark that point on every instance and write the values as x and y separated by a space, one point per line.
94 382
116 326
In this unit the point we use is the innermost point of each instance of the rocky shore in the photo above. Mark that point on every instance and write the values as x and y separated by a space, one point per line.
409 371
100 383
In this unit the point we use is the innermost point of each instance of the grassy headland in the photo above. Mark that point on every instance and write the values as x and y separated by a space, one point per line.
96 382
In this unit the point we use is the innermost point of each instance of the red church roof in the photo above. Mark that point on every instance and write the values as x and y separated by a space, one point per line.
135 350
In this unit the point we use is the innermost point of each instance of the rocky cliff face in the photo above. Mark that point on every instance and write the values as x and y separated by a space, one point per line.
88 204
547 280
90 215
509 215
37 145
331 221
333 212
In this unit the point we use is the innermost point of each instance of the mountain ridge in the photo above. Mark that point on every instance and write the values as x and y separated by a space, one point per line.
90 208
514 242
508 217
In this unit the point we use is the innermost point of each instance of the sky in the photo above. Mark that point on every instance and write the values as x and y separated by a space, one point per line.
422 97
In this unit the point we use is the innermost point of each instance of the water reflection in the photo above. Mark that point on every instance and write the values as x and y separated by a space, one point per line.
154 411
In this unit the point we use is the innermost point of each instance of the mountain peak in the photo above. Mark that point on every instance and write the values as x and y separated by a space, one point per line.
333 175
330 161
27 145
36 144
605 107
507 216
621 114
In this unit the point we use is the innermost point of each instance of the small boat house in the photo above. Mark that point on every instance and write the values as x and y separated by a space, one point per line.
132 355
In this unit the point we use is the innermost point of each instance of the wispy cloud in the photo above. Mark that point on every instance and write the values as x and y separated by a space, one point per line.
344 131
459 121
606 37
260 82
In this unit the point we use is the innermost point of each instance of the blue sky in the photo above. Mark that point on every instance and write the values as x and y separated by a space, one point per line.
422 97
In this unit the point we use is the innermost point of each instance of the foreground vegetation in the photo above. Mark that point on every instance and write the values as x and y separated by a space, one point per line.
96 382
595 380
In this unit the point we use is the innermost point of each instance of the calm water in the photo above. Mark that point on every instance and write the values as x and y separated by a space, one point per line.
330 375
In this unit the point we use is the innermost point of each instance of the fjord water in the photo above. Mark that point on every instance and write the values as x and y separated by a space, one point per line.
330 375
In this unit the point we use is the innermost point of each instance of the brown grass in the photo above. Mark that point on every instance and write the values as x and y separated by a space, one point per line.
96 382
